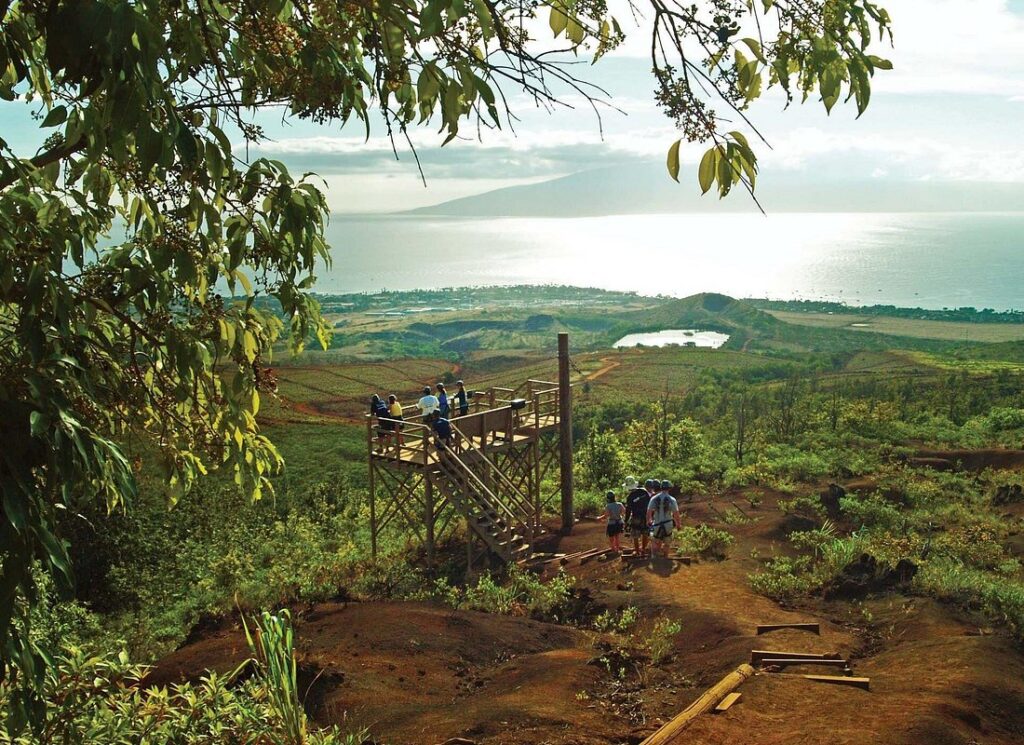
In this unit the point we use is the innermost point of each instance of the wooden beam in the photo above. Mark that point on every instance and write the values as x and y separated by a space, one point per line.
864 683
594 555
756 655
565 432
728 701
784 662
704 703
764 628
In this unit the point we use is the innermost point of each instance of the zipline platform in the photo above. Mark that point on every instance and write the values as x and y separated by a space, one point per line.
491 475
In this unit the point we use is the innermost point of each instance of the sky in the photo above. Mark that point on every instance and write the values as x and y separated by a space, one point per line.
951 110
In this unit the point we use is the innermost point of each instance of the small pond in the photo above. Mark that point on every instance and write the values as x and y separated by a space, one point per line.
681 337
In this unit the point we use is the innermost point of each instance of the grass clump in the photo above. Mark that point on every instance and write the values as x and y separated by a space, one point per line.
705 541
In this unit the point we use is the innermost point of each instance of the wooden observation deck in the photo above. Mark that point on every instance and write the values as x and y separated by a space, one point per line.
493 476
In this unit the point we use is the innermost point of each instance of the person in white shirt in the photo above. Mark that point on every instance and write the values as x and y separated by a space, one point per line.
663 516
428 405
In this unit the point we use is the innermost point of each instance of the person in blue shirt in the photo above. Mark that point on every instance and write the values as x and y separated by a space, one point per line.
442 433
442 401
385 424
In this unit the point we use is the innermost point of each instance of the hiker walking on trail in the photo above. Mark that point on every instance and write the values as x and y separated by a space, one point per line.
614 513
385 425
637 500
428 404
395 410
462 398
442 401
663 515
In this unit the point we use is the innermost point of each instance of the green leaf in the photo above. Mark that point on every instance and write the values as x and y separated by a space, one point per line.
558 19
56 116
706 171
673 160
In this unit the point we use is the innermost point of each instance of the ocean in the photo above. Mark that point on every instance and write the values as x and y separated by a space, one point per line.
906 259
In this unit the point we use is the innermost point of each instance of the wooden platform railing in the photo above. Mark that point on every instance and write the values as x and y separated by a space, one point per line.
495 420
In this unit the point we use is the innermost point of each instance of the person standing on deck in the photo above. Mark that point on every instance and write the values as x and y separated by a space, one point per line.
428 404
663 515
395 409
442 401
637 500
462 398
385 426
614 512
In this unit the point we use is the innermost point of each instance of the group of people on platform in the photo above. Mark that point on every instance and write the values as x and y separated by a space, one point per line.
649 515
435 409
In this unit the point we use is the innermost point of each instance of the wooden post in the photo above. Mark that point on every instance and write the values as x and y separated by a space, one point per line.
565 431
373 489
428 517
707 701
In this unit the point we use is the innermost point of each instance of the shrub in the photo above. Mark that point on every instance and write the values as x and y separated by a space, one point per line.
704 540
783 578
620 622
809 507
95 699
661 640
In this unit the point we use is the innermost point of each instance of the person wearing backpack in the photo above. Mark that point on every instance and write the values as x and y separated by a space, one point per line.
385 424
614 513
637 501
663 515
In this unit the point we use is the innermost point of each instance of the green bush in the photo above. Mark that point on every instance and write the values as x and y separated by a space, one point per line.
661 640
704 540
621 622
783 578
521 594
95 699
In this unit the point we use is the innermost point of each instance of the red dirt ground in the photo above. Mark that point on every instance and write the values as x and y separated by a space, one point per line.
418 673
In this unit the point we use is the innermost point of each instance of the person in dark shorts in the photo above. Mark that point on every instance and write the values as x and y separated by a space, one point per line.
636 513
663 514
385 425
461 398
614 513
443 434
442 402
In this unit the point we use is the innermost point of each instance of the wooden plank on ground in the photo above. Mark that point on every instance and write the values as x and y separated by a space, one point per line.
782 662
756 655
728 701
847 680
595 555
708 700
764 628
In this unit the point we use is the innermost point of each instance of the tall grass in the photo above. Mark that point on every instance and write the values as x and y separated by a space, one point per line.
272 641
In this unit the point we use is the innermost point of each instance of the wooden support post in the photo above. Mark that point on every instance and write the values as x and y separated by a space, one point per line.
764 628
428 519
706 702
565 432
373 490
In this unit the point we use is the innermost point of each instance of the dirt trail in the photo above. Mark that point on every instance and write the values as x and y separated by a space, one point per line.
419 673
609 365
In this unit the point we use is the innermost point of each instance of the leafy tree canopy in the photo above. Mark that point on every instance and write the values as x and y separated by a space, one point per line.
126 239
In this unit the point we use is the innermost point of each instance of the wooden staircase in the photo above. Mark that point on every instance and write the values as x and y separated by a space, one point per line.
504 525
